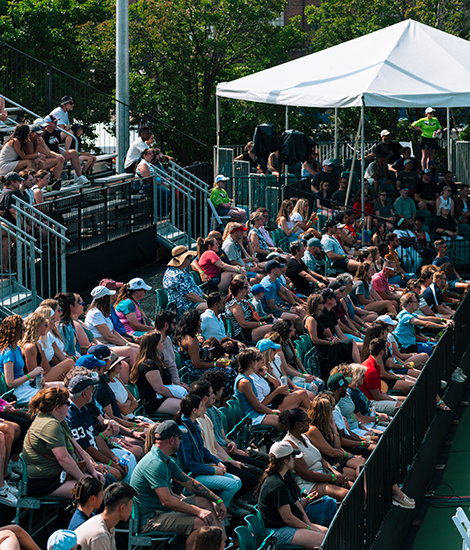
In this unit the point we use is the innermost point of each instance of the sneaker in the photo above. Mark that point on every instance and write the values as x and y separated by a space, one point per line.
443 384
16 467
11 489
83 180
7 498
457 377
405 502
460 371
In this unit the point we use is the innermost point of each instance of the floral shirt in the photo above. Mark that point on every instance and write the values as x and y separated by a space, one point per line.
179 283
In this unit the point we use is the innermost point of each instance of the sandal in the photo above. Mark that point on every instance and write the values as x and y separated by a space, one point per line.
441 406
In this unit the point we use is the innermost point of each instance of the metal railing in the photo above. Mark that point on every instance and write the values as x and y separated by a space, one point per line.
18 262
461 161
34 83
362 512
50 236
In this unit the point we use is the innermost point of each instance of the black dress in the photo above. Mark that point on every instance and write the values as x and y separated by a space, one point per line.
147 393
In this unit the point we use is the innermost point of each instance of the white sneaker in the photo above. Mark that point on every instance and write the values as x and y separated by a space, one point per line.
7 498
11 489
460 371
457 377
83 180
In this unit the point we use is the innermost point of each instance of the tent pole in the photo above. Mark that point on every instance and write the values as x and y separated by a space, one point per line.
286 169
449 152
336 132
362 171
217 124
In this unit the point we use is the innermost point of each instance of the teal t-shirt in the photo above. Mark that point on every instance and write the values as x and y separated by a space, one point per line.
153 471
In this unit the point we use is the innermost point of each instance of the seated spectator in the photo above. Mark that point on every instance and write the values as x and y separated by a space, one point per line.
3 111
257 291
426 192
196 458
314 250
211 323
11 184
76 336
282 512
401 277
236 253
61 113
12 363
128 307
380 235
380 174
8 433
98 321
335 250
358 316
407 339
303 280
84 432
43 178
462 204
371 386
364 293
455 281
151 183
445 225
434 296
13 156
111 284
249 156
90 160
312 472
160 509
311 167
153 379
330 348
179 283
222 202
165 324
246 391
324 435
275 289
50 448
14 534
51 138
217 272
245 323
445 200
339 196
399 165
258 237
209 538
328 174
98 532
292 229
380 282
46 158
62 539
383 209
404 206
368 206
407 177
448 180
341 311
275 166
323 200
190 350
88 496
135 149
25 190
300 213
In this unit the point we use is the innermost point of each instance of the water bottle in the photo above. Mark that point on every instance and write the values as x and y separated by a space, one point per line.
125 459
39 381
283 380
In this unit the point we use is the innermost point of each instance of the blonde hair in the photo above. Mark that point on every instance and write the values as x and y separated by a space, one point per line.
299 207
32 323
343 368
358 371
47 313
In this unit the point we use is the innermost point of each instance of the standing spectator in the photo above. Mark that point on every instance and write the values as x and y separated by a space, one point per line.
180 285
13 156
11 184
430 128
135 150
61 113
160 509
98 533
404 206
328 174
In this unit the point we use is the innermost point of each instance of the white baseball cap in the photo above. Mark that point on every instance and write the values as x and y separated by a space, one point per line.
100 291
387 319
138 284
429 110
281 449
384 133
220 177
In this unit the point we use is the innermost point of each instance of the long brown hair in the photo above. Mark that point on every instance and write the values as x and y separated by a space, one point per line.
362 273
203 245
314 300
283 210
320 413
374 331
275 465
103 304
208 537
11 331
147 350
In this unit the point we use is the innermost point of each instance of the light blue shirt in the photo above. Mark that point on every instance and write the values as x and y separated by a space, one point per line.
212 326
405 331
331 244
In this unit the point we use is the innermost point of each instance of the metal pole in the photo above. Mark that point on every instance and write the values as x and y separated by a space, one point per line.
362 171
336 132
217 123
122 81
449 152
286 169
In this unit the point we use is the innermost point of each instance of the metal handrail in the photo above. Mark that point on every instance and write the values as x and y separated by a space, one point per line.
26 239
174 183
39 222
182 172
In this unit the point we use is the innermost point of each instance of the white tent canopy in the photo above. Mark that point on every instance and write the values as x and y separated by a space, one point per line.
405 65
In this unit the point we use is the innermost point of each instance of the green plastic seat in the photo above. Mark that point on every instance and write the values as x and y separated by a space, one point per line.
245 538
155 539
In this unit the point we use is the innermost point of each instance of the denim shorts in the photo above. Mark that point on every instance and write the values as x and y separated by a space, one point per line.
284 535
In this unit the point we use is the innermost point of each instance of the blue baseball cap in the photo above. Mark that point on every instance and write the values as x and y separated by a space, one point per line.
89 361
257 289
63 539
266 344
